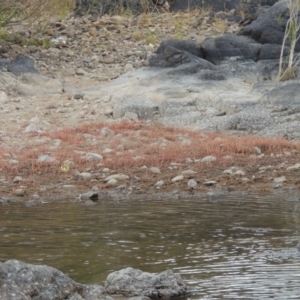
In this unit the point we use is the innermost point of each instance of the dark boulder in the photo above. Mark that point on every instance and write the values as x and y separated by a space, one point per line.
269 51
269 25
172 53
232 46
132 282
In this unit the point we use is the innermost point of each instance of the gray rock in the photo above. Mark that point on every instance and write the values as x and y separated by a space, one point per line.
132 282
3 98
269 24
22 64
192 183
139 104
230 46
21 281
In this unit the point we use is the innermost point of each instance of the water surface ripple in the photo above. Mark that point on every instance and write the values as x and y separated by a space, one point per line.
237 247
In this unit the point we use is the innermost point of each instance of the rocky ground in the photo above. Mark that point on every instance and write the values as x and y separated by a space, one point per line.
61 140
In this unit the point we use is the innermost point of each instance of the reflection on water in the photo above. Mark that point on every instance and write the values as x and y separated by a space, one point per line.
235 248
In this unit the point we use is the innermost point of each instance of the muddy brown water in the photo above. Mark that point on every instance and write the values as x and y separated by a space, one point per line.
237 247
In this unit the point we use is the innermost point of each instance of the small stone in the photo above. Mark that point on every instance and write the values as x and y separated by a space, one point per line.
155 170
86 175
279 179
3 97
117 177
239 172
106 132
80 72
45 158
32 128
106 170
192 183
188 172
257 150
107 151
294 167
178 178
19 192
93 156
78 96
17 179
159 183
90 195
13 162
210 183
208 158
112 181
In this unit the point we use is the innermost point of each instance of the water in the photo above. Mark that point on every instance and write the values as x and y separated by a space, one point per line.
234 248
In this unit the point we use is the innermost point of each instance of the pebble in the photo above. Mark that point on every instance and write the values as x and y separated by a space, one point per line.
117 177
294 167
112 181
32 128
188 172
178 178
209 158
19 192
192 183
3 98
279 179
209 183
17 179
159 184
86 175
155 170
45 158
93 156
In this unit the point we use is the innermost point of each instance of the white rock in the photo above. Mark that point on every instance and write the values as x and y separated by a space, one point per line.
17 179
188 172
159 183
108 151
13 162
106 132
155 170
239 172
178 178
19 192
93 156
208 158
86 175
294 167
279 179
257 150
45 158
192 183
106 170
117 177
32 128
112 181
3 97
209 183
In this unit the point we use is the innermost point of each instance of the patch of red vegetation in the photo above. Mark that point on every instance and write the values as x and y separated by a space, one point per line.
137 144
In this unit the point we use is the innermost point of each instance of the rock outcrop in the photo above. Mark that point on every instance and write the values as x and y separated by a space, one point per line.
21 281
131 282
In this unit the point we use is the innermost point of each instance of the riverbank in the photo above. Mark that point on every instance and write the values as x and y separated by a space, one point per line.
123 158
69 143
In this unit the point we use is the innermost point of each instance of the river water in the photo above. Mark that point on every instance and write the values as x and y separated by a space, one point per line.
237 247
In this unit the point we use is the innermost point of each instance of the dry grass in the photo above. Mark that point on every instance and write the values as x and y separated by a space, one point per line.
31 10
135 144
